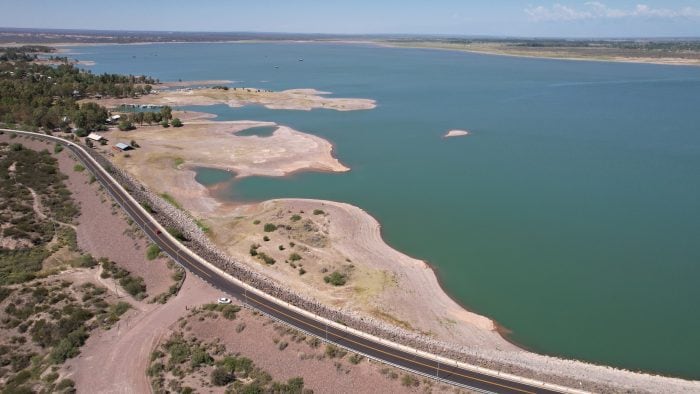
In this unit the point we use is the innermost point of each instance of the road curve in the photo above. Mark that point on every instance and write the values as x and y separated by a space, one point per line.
397 355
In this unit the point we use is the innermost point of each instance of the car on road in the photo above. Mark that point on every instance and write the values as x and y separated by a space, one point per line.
223 301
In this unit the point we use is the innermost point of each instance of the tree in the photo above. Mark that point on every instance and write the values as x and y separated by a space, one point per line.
148 117
166 112
177 122
125 125
139 117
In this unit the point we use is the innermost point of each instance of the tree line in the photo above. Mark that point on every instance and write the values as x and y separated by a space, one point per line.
44 96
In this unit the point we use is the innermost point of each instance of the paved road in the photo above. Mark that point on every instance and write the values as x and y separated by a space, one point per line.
372 348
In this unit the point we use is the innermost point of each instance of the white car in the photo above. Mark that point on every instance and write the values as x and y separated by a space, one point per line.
224 300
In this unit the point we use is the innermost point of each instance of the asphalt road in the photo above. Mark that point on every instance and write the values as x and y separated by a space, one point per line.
374 349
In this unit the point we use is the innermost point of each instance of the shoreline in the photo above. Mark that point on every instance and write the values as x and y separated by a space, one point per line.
385 44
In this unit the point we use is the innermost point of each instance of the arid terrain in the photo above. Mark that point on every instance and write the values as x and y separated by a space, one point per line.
147 319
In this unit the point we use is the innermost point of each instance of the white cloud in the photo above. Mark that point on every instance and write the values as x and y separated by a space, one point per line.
598 10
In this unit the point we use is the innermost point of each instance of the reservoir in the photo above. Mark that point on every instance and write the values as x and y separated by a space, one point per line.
570 214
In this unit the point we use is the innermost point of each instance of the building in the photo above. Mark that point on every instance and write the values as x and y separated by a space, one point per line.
122 146
95 137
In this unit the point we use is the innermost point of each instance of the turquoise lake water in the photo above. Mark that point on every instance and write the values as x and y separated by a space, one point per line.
571 215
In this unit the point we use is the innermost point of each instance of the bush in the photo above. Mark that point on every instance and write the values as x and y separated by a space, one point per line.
175 232
78 168
152 251
125 125
177 122
355 359
295 218
301 271
269 227
409 381
57 148
333 351
294 257
165 123
256 222
267 259
221 377
318 212
336 279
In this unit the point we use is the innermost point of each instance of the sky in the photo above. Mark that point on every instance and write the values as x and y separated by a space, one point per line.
527 18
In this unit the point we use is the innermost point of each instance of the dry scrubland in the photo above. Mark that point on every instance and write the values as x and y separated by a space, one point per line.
84 279
217 348
124 321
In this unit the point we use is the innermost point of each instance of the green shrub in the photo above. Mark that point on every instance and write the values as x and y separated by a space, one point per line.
294 257
78 168
256 222
269 227
333 351
295 218
152 251
318 212
221 376
267 259
177 122
175 232
336 278
58 148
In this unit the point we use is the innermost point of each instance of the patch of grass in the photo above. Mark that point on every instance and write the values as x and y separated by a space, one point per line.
152 251
170 199
78 168
178 161
58 148
256 222
295 218
202 225
319 212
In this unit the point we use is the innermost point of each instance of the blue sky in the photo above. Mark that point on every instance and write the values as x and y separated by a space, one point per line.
563 18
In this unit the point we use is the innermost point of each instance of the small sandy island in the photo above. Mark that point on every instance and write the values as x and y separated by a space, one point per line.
456 133
294 99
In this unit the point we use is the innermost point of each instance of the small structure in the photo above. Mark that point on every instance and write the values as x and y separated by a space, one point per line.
95 137
114 118
123 147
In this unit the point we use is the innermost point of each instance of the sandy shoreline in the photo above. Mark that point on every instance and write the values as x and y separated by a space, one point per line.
670 61
292 99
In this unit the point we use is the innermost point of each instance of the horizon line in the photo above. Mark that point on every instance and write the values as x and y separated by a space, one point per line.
345 35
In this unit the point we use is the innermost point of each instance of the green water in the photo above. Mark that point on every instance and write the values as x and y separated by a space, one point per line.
571 215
